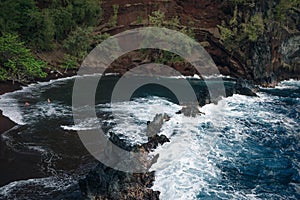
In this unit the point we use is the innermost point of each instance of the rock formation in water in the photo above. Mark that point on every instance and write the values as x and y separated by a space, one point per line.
190 111
247 88
104 182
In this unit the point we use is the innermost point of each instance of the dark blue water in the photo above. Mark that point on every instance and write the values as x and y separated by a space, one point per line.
243 148
269 160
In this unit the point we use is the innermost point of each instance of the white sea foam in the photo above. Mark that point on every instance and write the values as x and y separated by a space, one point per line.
130 118
45 186
288 84
40 149
215 76
88 124
187 166
196 76
12 108
46 110
111 74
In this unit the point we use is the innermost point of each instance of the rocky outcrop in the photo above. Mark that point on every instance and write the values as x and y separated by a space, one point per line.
290 57
190 111
266 59
104 182
247 88
154 126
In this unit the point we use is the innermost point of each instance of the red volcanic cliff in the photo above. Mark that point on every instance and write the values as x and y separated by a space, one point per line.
261 61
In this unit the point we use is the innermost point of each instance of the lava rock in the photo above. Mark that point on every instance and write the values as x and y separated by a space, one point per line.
104 182
245 87
154 127
190 111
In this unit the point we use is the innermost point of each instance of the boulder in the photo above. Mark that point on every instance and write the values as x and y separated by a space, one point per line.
190 111
245 87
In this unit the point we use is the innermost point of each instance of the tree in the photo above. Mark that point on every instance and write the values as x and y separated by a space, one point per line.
78 42
63 21
87 12
9 15
38 31
18 63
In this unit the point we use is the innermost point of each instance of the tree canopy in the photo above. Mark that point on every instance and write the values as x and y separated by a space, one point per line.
17 62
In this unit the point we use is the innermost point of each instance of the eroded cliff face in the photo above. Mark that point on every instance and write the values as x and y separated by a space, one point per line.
274 56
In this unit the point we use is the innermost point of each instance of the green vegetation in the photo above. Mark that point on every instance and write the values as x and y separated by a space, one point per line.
78 42
248 24
33 27
17 62
238 31
286 8
158 19
139 20
41 23
70 62
254 28
113 21
44 25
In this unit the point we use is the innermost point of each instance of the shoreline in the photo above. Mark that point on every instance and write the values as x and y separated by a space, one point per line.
8 86
17 159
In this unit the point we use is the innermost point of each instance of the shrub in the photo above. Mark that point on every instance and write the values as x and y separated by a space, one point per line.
18 62
78 42
113 21
70 62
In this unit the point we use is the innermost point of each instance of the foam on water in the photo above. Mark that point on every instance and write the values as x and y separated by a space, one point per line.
287 84
183 166
12 108
193 165
189 166
129 119
216 76
88 124
196 76
45 187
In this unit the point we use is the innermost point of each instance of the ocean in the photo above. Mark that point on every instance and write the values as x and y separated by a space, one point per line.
242 148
